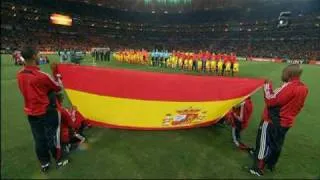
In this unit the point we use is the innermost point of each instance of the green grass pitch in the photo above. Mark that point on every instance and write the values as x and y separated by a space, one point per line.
196 153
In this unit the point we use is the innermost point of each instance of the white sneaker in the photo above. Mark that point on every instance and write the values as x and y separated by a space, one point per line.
82 139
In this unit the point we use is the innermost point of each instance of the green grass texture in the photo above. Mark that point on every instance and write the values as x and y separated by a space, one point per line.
196 153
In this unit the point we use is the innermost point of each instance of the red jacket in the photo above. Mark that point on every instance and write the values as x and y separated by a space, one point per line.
218 57
285 103
66 124
233 59
243 113
66 120
35 86
77 118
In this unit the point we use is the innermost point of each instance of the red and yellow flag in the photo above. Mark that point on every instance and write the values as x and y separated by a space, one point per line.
130 99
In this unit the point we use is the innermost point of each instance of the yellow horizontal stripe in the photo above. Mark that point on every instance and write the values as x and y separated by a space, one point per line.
145 113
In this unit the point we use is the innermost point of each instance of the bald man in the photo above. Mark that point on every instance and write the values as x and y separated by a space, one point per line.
281 108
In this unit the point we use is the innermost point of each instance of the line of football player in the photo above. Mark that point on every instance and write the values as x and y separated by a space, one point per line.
201 62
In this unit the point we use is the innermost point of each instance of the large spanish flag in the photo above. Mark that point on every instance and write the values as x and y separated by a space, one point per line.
130 99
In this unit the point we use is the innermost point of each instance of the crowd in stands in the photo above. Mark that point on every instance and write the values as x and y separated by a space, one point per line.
46 41
21 26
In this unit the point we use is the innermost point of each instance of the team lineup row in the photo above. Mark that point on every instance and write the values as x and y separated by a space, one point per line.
201 62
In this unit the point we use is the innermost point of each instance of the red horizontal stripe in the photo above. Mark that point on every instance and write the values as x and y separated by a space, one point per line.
106 125
154 86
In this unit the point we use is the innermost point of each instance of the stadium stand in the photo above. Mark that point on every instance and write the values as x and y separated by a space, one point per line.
118 27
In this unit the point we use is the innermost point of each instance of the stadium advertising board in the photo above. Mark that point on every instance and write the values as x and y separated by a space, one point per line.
262 59
242 58
296 61
48 52
314 62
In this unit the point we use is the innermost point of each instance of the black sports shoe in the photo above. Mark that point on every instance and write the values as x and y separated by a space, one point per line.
45 167
62 163
256 172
